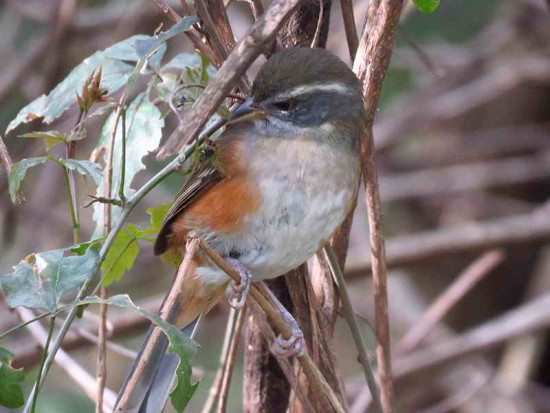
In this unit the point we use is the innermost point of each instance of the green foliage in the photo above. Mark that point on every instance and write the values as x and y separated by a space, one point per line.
11 393
143 133
19 170
427 6
41 280
180 344
121 256
115 73
125 249
51 138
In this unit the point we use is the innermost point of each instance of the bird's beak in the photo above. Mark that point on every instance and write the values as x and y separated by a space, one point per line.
247 111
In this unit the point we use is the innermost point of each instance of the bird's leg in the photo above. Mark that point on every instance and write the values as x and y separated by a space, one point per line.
282 347
236 293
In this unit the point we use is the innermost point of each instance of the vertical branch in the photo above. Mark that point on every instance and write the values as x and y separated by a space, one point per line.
371 63
228 367
349 26
5 156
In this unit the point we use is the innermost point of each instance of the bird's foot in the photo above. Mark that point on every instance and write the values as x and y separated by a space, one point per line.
293 346
236 293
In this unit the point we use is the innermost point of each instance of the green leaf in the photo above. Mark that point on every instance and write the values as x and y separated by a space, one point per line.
51 138
157 215
181 344
427 6
122 254
18 172
41 280
11 393
91 169
116 72
147 47
143 133
184 61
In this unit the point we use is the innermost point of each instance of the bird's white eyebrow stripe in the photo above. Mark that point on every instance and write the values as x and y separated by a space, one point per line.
319 87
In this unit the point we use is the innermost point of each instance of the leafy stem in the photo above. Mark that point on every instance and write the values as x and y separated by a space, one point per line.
123 158
43 362
69 181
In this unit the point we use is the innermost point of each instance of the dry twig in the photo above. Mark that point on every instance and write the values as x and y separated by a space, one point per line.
448 299
371 63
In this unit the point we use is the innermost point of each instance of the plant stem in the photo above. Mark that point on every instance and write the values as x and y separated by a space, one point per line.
42 363
72 204
349 314
123 158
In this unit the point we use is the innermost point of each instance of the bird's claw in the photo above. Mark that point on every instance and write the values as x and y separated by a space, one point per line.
293 346
236 293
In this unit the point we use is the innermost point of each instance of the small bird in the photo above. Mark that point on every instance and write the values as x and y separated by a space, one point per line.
284 175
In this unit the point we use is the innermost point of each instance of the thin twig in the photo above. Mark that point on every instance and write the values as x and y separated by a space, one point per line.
422 246
71 367
349 315
371 64
214 394
165 313
229 365
448 299
528 318
315 40
5 156
115 348
192 34
317 381
349 26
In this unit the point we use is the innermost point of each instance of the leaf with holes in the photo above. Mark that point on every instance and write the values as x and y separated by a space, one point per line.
41 280
11 393
427 6
143 133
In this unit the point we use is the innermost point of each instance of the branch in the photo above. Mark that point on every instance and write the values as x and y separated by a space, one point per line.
71 367
532 316
448 299
234 67
5 156
370 65
349 315
422 246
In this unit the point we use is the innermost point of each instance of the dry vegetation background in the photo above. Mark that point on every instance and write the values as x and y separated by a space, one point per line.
463 148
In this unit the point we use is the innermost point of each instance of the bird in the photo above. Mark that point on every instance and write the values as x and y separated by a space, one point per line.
281 178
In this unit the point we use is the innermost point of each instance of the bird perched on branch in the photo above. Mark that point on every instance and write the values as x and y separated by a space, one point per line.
285 175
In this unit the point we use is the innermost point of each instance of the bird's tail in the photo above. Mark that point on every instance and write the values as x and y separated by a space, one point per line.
153 388
151 392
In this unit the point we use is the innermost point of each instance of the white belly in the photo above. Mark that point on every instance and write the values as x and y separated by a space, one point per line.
301 208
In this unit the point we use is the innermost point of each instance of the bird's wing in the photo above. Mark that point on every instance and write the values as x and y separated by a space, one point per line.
203 177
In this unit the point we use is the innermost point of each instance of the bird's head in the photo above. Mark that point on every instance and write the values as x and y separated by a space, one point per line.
302 89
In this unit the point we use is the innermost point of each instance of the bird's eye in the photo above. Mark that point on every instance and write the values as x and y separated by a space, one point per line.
285 105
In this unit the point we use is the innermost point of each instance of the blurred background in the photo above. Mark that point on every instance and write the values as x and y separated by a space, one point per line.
463 141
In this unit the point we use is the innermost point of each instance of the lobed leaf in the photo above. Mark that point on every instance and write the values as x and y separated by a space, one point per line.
41 280
181 344
11 380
